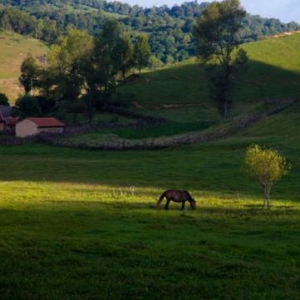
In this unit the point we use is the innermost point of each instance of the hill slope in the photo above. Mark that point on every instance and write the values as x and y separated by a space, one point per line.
13 49
180 92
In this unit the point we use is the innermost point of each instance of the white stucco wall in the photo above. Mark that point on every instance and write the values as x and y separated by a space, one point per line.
26 128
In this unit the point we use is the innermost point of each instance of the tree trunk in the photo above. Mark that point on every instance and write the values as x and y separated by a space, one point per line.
90 110
75 117
267 190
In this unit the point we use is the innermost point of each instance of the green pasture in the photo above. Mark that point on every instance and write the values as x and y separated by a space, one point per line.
78 224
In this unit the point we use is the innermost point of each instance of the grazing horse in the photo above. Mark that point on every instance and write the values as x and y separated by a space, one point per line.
176 196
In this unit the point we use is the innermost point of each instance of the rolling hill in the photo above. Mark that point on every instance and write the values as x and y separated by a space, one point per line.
13 49
180 92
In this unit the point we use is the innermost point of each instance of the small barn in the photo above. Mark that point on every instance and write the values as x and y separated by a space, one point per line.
34 126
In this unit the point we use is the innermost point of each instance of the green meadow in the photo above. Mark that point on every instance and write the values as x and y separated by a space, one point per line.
83 224
80 224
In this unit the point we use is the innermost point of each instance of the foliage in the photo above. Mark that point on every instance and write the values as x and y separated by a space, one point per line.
141 52
63 81
223 77
154 63
127 54
27 24
65 60
28 106
29 73
4 100
82 71
268 166
108 57
169 28
216 43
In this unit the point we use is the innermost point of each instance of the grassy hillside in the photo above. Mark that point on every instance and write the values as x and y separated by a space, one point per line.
13 49
273 73
274 70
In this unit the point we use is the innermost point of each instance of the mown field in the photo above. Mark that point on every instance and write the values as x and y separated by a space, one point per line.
82 224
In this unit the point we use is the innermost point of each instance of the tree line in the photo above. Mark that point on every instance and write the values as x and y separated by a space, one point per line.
169 28
81 72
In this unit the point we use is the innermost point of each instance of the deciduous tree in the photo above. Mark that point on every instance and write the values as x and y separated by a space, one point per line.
106 60
67 62
4 99
28 106
268 166
126 53
217 46
29 73
142 51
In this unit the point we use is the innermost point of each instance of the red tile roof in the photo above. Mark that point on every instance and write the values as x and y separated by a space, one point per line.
11 121
46 122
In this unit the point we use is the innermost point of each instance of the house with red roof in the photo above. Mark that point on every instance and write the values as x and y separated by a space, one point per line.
34 126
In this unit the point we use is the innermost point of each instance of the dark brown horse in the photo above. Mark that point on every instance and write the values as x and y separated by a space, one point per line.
176 196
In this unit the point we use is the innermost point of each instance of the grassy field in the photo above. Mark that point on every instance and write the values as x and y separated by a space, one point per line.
79 224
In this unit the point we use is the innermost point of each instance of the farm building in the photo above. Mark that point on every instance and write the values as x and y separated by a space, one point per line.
34 126
6 121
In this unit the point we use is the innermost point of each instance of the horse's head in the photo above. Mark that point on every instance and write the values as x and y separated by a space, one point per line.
193 203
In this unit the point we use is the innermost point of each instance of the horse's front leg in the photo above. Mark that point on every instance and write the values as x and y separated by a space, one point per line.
167 204
182 205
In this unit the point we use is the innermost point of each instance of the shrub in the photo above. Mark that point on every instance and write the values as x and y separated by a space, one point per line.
268 166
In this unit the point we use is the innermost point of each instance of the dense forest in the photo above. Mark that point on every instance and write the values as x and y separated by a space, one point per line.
169 28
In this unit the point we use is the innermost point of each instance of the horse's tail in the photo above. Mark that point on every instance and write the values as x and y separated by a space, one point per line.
160 199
